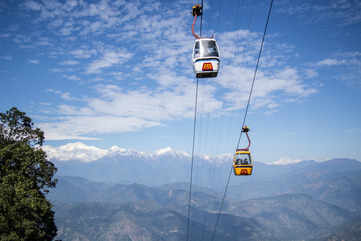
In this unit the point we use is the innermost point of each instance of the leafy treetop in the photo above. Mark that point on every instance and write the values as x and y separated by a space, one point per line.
25 176
15 126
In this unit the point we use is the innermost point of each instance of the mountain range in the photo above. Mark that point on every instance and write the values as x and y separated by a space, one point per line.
144 198
88 210
335 181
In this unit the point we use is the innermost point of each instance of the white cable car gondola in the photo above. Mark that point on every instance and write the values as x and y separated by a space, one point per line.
205 58
205 52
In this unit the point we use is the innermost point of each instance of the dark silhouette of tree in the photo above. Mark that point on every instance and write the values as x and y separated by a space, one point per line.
25 177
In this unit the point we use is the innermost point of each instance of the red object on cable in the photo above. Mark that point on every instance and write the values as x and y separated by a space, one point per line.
249 143
194 22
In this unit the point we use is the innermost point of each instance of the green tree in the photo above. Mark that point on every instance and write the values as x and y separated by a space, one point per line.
25 177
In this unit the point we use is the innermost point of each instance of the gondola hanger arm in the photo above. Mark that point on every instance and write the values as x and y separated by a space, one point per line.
196 11
245 129
194 21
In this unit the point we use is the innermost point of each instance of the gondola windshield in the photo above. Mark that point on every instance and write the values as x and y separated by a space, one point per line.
204 48
242 159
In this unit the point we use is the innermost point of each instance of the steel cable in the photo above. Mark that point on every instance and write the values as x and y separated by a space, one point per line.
192 161
244 119
193 145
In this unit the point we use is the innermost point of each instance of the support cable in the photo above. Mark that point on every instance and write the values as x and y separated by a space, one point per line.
194 131
192 161
244 119
255 71
200 27
221 206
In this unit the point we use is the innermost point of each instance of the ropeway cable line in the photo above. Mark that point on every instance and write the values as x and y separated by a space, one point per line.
244 119
200 59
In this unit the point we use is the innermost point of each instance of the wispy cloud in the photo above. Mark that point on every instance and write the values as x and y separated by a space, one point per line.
63 95
348 11
70 62
83 53
4 35
286 161
153 67
311 73
71 17
108 59
350 62
116 110
33 5
6 57
72 77
87 153
56 70
330 62
34 61
75 151
71 127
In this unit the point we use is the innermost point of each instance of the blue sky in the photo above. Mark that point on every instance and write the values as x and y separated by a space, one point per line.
118 73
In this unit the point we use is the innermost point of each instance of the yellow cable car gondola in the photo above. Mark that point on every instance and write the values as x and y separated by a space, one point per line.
242 160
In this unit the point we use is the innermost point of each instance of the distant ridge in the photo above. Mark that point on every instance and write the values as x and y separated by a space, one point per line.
86 209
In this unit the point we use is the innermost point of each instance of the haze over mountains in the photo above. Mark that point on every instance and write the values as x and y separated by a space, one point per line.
144 197
336 181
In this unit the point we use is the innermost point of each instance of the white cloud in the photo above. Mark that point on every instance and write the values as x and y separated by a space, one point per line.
43 41
109 59
72 77
66 96
238 79
116 110
87 153
351 67
347 11
22 39
154 67
75 151
82 53
75 127
4 35
170 151
286 161
63 95
7 57
311 73
330 62
164 150
70 17
69 62
34 61
239 50
33 5
56 70
351 54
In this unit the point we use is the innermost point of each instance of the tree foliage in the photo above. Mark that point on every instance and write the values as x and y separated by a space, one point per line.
25 177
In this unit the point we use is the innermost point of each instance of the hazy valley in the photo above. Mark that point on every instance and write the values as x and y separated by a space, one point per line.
304 201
